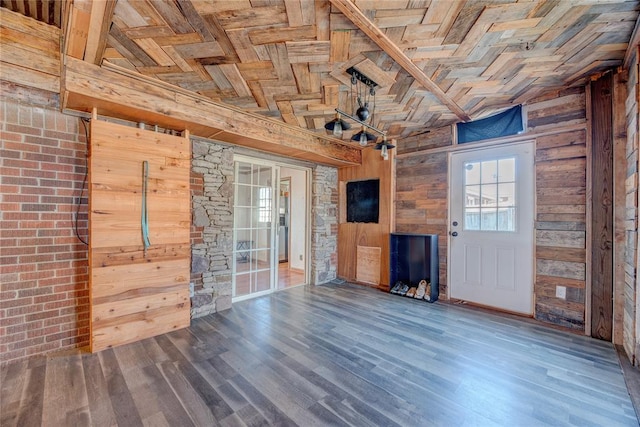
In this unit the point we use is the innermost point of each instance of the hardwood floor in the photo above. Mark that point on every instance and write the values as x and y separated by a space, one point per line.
288 277
330 355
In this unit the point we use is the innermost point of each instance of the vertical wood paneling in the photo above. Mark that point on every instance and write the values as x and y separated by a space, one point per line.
631 316
137 293
352 235
602 199
619 195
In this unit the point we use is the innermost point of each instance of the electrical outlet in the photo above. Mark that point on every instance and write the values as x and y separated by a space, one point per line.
192 289
300 257
561 292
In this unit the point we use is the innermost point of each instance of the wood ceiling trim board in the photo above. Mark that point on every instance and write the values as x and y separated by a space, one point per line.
464 22
633 43
398 17
294 12
515 25
281 64
242 45
178 39
154 51
280 35
195 20
308 51
220 35
177 58
76 39
234 77
356 16
258 70
303 78
137 14
30 27
29 77
100 22
173 16
308 12
135 97
199 69
132 51
51 46
252 17
200 50
322 10
256 90
154 32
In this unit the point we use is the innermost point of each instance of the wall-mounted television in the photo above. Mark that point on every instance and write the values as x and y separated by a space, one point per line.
363 201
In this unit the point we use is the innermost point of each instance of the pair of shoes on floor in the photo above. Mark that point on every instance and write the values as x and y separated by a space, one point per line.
423 291
403 290
396 288
411 292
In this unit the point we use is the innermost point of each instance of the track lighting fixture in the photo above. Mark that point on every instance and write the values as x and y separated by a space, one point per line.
384 147
364 93
337 125
363 137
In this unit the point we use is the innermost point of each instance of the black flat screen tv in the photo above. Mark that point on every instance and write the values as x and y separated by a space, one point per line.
363 201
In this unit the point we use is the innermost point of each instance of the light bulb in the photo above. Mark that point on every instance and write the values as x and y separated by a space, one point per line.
363 138
337 129
384 152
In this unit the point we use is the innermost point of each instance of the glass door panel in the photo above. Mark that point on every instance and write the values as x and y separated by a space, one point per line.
253 232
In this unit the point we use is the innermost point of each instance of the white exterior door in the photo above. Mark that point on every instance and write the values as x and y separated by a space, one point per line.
491 226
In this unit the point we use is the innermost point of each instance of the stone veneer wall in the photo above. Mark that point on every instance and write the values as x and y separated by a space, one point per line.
212 255
324 223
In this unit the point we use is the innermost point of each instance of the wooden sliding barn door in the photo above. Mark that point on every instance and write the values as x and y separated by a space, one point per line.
138 292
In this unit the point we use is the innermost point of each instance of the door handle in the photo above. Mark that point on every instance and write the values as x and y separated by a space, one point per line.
454 233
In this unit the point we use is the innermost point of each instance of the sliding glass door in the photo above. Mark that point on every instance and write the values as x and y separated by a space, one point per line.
254 228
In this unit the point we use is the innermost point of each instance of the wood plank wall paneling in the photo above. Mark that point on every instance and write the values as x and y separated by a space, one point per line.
602 200
352 235
422 201
619 194
30 52
135 294
631 315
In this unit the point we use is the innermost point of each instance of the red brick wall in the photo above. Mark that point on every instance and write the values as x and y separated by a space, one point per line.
44 303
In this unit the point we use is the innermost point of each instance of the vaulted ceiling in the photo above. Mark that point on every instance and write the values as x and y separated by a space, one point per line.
436 61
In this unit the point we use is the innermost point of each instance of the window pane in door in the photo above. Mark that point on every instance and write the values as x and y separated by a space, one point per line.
489 171
472 196
507 170
489 195
506 194
490 199
472 219
472 173
488 220
244 173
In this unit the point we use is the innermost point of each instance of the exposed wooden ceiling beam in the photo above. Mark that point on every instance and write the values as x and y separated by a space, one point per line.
121 93
101 17
88 28
351 11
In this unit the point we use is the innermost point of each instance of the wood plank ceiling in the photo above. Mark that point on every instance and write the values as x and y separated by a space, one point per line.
437 61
